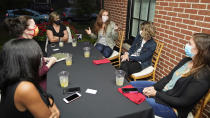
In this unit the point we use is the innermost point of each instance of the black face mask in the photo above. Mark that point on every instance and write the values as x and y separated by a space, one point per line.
58 22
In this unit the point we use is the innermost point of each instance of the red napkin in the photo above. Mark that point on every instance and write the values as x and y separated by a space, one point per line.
134 97
101 61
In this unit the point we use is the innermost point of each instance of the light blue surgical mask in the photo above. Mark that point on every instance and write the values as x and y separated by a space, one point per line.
188 50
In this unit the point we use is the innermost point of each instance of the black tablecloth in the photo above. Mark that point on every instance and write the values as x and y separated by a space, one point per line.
107 103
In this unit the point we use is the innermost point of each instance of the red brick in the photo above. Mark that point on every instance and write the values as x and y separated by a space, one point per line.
167 17
192 0
163 3
168 8
206 31
168 63
174 61
163 12
197 17
204 12
187 32
176 53
197 29
164 26
174 38
180 0
179 35
178 9
199 6
175 29
191 11
205 1
170 23
191 22
159 8
207 19
176 19
168 32
183 15
172 13
161 21
158 16
168 41
208 7
174 4
185 5
181 50
181 25
203 24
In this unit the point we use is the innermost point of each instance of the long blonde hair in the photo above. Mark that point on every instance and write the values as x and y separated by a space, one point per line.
98 24
202 58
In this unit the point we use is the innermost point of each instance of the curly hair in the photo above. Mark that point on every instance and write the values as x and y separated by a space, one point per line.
16 26
148 30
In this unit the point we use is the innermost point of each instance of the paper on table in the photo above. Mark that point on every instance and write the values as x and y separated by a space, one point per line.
91 91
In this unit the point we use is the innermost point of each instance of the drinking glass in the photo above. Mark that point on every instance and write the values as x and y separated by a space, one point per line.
63 78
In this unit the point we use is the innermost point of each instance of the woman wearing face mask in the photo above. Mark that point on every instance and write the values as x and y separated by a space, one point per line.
185 85
24 27
140 54
56 31
105 32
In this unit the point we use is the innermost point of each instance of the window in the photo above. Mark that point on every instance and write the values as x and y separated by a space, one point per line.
138 12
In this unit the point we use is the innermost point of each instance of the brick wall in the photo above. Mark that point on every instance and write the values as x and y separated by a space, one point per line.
176 21
118 11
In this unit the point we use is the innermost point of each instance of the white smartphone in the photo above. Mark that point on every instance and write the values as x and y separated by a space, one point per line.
72 97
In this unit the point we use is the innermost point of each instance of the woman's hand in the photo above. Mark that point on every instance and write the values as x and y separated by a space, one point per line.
51 61
125 57
55 113
149 91
88 31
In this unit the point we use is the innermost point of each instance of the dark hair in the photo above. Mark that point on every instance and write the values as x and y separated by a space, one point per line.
16 26
20 60
98 24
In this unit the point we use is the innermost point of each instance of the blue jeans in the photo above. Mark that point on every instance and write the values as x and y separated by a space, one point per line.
105 50
159 109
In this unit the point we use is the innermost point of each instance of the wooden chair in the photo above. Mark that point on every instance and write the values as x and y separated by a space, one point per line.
201 105
115 57
150 71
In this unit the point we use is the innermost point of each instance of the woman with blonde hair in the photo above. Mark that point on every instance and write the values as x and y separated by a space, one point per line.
185 85
140 54
56 31
105 32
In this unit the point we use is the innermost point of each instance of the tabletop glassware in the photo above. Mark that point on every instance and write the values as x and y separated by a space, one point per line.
63 78
120 76
61 44
74 42
86 52
69 59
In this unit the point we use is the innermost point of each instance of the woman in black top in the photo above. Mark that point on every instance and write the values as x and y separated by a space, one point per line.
56 31
21 95
185 85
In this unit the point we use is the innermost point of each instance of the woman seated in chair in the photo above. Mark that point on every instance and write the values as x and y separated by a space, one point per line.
21 96
56 31
24 27
140 54
106 33
185 85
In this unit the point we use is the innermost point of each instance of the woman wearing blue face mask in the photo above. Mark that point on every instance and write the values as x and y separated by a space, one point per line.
185 85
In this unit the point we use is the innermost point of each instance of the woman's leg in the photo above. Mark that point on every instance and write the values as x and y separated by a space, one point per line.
107 51
161 110
100 47
140 85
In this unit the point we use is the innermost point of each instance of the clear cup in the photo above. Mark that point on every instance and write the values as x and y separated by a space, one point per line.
86 52
69 59
120 76
74 42
63 78
61 44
